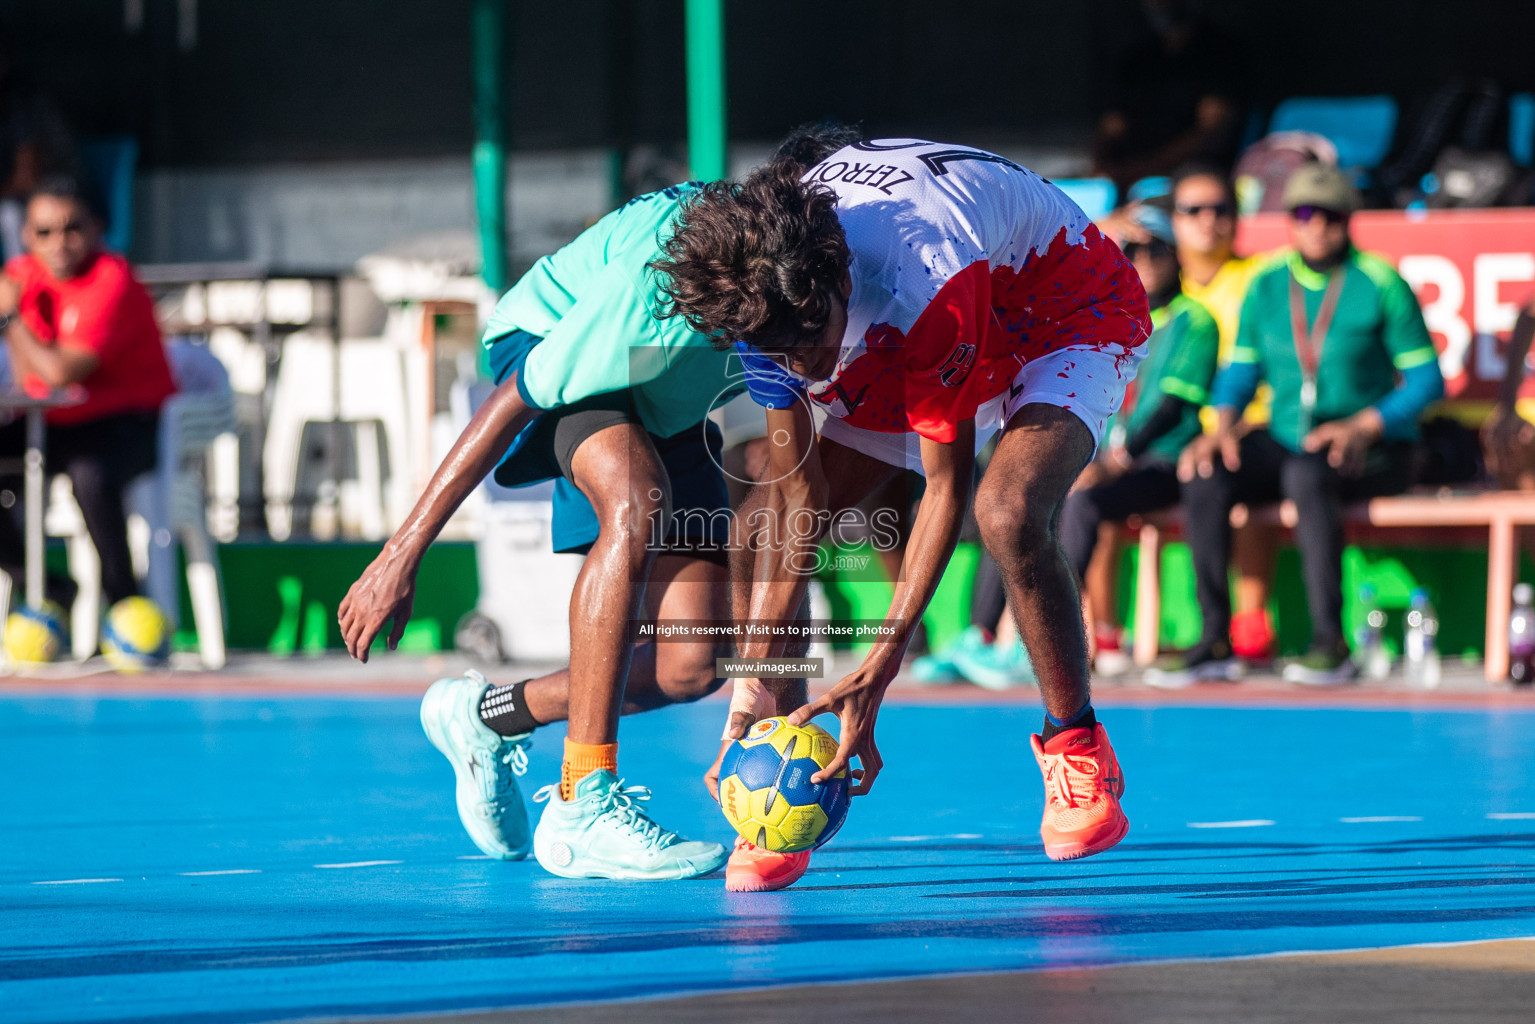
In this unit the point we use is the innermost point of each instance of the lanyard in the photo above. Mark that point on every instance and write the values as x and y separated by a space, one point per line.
1308 342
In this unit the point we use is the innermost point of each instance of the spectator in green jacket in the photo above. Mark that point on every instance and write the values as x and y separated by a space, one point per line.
1339 337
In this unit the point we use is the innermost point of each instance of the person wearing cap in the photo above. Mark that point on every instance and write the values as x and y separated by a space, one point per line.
1338 336
1138 472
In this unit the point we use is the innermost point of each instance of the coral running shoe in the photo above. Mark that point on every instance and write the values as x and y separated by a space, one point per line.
1083 785
753 869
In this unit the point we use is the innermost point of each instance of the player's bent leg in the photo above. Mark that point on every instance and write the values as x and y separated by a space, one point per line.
485 764
594 826
687 588
1018 508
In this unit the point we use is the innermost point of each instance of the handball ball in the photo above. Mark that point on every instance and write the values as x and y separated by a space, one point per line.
36 634
136 635
766 792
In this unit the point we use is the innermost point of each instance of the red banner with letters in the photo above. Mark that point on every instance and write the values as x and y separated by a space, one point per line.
1472 271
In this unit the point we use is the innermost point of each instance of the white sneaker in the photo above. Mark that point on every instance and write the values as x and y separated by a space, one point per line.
485 763
604 833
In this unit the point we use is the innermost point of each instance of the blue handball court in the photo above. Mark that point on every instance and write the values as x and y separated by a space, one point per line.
289 853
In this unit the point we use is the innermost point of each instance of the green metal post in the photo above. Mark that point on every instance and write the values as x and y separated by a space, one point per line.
488 29
706 89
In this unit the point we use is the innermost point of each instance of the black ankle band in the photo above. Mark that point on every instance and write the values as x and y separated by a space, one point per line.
504 710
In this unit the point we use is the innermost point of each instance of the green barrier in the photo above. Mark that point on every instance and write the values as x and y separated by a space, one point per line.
284 597
858 587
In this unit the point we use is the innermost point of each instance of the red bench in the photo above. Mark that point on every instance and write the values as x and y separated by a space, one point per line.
1499 511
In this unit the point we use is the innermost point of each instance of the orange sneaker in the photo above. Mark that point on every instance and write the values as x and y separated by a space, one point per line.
1083 785
753 869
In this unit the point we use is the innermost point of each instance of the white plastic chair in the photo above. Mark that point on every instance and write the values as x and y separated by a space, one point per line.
165 505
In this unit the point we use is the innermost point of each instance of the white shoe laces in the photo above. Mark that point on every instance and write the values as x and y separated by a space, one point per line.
516 757
622 809
1071 779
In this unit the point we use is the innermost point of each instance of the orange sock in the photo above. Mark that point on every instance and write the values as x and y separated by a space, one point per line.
581 759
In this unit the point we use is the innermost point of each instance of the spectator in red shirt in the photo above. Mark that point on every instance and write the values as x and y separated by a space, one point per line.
74 319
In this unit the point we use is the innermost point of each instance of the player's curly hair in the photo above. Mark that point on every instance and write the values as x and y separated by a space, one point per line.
759 260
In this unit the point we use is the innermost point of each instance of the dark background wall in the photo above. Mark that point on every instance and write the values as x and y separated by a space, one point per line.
277 80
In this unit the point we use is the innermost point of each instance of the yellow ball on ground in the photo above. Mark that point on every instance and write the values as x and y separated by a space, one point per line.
136 635
766 792
36 634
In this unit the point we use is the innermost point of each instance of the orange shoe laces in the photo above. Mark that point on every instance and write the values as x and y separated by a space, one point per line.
1070 779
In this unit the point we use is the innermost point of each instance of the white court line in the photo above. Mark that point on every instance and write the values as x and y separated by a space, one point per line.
360 864
1512 816
1372 818
77 881
474 856
1244 823
923 839
229 871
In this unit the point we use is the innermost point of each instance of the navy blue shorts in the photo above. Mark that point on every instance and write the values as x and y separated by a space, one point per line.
700 524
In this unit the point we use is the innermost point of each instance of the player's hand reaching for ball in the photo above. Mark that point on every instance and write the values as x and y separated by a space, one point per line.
855 700
739 722
385 591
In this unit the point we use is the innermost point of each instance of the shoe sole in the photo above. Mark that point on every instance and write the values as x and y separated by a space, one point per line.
1212 672
630 874
464 779
1076 851
1306 677
752 882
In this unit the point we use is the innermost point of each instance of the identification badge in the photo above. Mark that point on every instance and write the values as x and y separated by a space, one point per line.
1308 394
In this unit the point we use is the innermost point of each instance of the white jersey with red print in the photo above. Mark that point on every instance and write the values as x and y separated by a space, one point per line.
967 268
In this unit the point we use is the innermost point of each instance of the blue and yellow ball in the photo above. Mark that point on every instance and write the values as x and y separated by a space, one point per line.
766 792
36 634
136 635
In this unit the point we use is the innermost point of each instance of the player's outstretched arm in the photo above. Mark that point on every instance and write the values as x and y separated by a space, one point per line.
855 700
387 588
779 528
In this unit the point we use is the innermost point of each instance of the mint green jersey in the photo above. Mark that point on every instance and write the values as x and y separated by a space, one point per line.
594 304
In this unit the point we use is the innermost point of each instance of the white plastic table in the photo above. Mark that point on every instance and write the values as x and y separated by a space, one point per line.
35 481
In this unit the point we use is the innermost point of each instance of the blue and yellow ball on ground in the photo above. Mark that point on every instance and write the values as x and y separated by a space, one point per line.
766 792
136 635
35 634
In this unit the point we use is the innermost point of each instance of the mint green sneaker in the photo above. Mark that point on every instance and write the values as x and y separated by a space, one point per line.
1000 666
604 833
939 668
485 763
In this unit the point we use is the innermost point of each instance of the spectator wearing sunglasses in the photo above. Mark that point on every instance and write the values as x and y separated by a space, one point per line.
1205 223
1138 473
1339 337
74 319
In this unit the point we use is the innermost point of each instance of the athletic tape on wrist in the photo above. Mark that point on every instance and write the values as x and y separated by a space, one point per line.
752 697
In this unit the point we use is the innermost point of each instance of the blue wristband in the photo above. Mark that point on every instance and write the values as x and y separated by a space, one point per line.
770 385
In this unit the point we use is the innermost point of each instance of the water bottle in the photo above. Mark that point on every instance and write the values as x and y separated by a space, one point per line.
1422 642
1521 636
1370 654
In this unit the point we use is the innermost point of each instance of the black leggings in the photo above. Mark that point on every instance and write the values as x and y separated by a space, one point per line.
100 458
1145 488
1269 472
